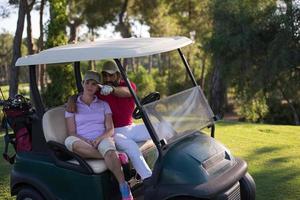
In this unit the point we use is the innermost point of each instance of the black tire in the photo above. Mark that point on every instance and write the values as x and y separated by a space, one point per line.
248 188
28 193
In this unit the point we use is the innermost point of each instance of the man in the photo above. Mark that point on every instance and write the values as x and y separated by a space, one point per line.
115 92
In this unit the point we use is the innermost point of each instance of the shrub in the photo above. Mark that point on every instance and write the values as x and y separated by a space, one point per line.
143 80
254 109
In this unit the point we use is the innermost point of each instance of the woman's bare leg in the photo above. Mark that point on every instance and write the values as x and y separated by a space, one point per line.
86 150
113 164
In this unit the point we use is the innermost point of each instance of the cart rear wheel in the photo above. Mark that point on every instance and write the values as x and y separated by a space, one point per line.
28 193
248 188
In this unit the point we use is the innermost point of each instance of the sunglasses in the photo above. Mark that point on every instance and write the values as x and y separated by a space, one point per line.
105 74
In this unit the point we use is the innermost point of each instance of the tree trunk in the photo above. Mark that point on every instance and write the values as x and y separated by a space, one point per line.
124 27
218 90
6 72
73 33
29 30
202 80
291 105
74 30
131 63
137 63
41 46
41 38
150 63
159 64
29 33
14 71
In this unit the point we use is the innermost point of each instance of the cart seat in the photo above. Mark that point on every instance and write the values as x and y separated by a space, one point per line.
54 127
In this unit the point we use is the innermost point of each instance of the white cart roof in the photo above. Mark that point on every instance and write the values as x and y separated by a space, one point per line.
105 49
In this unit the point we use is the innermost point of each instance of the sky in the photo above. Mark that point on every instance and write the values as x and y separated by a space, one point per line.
9 24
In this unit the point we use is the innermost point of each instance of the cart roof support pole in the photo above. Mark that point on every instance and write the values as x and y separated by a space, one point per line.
188 69
36 97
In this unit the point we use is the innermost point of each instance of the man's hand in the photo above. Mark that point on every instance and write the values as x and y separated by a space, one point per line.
71 104
106 90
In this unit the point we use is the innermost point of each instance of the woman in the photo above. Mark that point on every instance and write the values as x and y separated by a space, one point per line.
91 129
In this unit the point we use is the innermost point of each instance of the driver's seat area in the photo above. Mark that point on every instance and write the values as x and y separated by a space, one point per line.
55 131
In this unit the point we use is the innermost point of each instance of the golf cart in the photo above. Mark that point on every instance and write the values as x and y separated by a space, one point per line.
186 163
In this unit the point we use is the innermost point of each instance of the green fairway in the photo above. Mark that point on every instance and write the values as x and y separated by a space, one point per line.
4 174
272 153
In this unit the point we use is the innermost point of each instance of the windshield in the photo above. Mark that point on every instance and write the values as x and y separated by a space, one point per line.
180 114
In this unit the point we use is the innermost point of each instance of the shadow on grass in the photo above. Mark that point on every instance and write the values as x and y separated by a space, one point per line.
266 150
280 160
225 123
275 184
274 179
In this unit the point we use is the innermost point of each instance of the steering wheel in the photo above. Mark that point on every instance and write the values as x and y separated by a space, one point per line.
153 96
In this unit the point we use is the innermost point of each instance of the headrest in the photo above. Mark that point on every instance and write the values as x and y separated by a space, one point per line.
54 125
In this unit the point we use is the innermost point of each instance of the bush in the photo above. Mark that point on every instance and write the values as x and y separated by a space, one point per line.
61 87
143 80
254 109
160 82
280 112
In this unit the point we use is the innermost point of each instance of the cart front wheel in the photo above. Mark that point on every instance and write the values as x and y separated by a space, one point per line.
28 193
248 188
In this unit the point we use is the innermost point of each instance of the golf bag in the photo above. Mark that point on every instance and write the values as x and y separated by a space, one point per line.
17 115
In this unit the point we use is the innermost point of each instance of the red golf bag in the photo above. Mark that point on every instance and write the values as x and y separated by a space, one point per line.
17 112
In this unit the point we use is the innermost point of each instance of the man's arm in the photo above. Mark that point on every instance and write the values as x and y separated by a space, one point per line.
121 91
71 104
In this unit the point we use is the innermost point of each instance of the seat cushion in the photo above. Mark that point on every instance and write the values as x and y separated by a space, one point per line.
98 166
54 127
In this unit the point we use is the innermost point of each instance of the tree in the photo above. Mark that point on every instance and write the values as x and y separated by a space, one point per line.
14 71
194 21
144 82
182 17
29 7
123 25
61 77
283 56
41 45
258 48
6 43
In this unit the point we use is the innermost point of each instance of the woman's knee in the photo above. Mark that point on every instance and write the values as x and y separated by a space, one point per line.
76 146
70 141
109 154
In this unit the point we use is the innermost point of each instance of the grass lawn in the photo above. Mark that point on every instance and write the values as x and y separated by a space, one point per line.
23 89
272 153
4 174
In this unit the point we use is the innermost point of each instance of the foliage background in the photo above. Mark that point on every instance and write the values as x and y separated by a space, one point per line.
245 53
